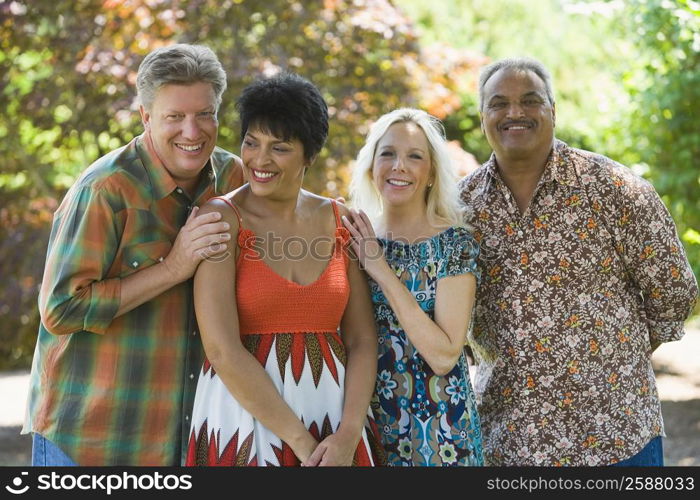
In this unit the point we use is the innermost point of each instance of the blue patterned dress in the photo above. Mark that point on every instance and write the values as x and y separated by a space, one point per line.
424 419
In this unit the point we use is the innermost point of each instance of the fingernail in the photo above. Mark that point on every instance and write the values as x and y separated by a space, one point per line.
226 225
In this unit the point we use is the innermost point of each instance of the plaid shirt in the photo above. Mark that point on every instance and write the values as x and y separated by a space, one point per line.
576 293
118 391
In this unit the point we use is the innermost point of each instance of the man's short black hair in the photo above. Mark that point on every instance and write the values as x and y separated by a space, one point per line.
287 106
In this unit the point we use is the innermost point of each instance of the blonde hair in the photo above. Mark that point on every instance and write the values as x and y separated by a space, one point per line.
444 206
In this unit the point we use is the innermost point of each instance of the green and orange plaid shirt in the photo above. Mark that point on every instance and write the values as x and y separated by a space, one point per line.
119 391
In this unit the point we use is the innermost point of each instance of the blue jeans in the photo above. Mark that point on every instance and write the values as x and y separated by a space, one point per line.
652 455
45 453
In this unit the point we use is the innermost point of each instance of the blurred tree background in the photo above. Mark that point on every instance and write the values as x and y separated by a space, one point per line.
627 77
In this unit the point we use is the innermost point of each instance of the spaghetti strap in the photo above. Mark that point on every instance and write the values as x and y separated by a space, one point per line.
338 222
228 202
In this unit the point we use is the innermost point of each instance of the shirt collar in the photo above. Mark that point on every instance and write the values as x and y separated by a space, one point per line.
162 183
559 166
213 170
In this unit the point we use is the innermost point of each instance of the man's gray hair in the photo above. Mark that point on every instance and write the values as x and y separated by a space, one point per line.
516 64
179 64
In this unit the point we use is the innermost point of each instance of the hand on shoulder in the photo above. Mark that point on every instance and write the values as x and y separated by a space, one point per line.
206 234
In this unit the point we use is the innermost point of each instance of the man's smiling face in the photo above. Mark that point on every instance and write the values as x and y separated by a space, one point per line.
517 116
183 127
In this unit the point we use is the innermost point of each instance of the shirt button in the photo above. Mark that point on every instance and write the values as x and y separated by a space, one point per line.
187 417
519 271
160 259
194 333
520 233
191 376
135 264
179 190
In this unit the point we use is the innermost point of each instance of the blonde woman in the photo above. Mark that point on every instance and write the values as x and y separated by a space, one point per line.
410 238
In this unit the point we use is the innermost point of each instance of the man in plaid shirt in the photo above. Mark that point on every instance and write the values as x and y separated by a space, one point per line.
113 371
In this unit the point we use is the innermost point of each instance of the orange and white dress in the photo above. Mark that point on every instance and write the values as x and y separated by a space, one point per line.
298 344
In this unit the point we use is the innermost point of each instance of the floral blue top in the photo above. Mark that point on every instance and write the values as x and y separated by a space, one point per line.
424 419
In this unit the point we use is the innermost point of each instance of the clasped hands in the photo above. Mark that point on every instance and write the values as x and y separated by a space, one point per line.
338 449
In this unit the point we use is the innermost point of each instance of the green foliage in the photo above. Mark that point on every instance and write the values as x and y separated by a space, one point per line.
23 237
664 124
68 70
627 80
581 48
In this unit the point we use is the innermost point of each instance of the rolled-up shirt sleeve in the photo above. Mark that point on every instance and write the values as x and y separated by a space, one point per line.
75 293
656 261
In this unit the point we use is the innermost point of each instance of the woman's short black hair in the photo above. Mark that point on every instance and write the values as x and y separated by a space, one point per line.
287 106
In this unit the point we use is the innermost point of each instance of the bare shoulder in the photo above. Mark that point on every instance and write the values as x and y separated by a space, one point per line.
343 210
321 209
315 202
223 205
325 203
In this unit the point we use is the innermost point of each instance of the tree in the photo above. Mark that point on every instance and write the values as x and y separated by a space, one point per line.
663 125
625 74
577 43
68 70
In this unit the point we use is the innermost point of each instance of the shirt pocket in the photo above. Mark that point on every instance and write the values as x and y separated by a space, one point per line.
142 255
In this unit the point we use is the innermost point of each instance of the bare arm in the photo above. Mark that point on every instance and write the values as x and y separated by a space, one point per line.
245 378
439 342
360 338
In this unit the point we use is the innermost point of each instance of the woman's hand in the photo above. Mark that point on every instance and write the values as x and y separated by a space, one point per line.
336 450
365 245
305 448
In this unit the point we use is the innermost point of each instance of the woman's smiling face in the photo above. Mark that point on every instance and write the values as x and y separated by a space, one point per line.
402 167
270 162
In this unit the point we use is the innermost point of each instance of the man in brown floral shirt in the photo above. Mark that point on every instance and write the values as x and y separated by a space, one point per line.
583 276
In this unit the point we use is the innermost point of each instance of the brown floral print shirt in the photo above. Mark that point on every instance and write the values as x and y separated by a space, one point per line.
575 295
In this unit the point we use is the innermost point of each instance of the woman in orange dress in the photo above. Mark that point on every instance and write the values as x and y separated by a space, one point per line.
286 320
